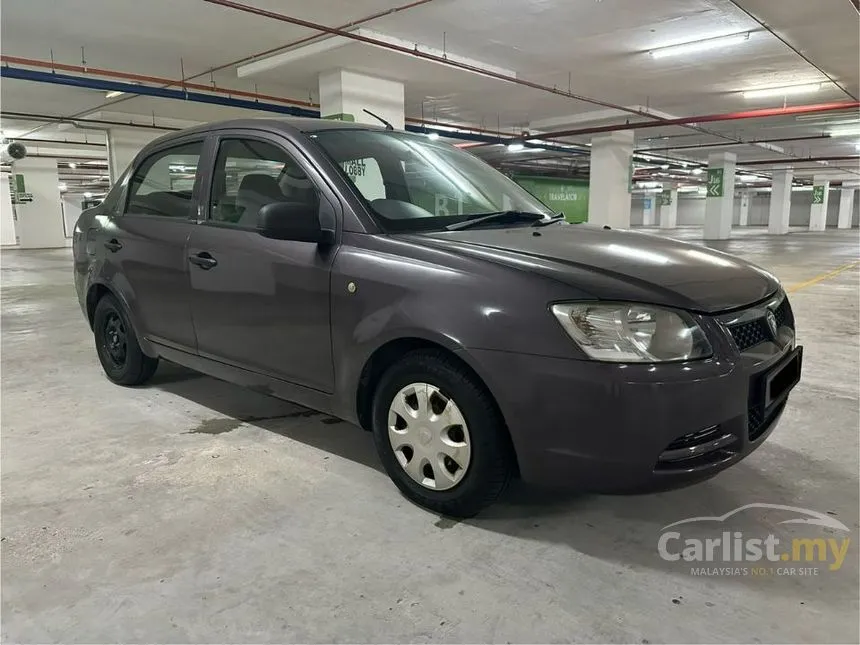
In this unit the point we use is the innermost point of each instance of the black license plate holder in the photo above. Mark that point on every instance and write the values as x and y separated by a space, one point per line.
782 379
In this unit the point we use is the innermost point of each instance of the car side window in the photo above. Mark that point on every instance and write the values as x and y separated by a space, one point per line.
250 174
163 183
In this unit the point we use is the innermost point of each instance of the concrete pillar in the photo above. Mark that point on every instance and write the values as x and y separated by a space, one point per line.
744 217
780 201
123 144
818 210
71 210
7 213
846 206
720 202
40 222
669 208
345 95
609 179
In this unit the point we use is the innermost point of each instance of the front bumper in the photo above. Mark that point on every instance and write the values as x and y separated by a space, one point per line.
614 428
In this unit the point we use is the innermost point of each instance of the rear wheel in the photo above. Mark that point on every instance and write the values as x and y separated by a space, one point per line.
440 436
116 344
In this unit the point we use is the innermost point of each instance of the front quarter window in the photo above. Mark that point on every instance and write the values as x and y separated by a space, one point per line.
411 183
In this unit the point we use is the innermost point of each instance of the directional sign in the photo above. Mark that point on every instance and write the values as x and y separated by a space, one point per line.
818 194
666 198
715 182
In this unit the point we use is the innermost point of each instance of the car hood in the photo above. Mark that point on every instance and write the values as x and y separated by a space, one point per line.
617 264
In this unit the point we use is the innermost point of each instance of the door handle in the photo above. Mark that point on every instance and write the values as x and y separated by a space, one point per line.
203 260
113 245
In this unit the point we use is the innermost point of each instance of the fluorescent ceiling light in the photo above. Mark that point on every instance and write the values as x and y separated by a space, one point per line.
700 45
697 171
515 147
73 165
848 131
785 90
88 195
665 166
113 94
63 187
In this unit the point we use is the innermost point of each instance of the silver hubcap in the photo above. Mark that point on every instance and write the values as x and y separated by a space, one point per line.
429 436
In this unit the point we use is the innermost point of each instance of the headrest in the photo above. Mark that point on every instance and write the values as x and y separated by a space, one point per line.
261 184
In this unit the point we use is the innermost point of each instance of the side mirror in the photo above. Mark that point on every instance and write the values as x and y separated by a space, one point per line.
295 221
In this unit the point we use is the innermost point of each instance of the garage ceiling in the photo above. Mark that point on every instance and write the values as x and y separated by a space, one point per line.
597 48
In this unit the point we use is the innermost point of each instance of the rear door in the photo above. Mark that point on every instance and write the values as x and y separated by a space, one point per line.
258 303
146 241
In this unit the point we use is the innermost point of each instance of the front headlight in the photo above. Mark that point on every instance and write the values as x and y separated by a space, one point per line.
632 333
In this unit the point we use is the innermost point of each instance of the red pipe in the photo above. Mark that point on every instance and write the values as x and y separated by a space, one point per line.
167 82
142 78
733 143
766 162
708 118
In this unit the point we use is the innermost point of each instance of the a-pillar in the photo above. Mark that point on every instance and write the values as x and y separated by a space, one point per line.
346 95
609 179
818 210
123 146
669 208
744 216
780 201
40 222
720 202
846 205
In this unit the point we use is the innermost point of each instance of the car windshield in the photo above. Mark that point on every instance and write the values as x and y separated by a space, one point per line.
412 183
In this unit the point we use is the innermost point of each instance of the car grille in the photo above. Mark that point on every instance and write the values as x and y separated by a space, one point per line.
758 421
752 333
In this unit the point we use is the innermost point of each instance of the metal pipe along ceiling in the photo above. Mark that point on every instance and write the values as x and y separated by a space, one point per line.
419 54
229 92
212 99
710 118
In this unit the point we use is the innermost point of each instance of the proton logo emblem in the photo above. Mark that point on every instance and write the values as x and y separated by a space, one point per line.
771 322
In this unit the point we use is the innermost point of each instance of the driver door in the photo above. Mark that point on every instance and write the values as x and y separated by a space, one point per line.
258 303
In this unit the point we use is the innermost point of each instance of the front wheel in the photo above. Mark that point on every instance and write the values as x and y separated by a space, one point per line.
116 344
439 435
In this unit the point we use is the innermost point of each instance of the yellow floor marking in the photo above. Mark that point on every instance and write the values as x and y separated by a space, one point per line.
823 276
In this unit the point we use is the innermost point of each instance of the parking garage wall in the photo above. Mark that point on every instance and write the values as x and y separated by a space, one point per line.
691 210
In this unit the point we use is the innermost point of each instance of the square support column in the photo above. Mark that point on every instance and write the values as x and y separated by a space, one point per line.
669 208
818 210
345 95
609 179
846 206
720 204
123 144
744 217
40 222
780 201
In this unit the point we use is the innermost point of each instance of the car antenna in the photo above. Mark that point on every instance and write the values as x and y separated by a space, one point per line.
388 126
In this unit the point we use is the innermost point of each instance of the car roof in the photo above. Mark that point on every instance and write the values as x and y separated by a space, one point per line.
285 124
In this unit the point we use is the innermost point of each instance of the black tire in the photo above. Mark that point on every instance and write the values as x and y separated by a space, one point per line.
492 462
110 328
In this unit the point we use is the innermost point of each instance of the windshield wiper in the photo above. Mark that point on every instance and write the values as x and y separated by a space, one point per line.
558 217
501 215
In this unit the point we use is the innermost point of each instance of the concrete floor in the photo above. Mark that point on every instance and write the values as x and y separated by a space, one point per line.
191 510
